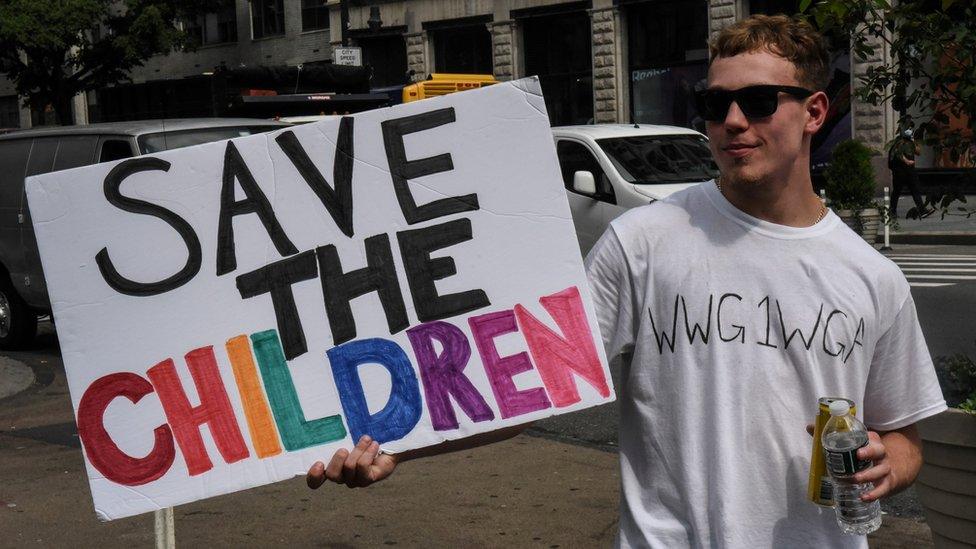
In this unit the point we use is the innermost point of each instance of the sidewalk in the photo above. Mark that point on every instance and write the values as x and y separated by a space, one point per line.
953 230
15 376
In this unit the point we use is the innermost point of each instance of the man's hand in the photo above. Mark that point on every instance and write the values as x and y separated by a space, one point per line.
361 467
897 457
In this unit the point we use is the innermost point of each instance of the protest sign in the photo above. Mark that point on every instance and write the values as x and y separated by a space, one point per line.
230 313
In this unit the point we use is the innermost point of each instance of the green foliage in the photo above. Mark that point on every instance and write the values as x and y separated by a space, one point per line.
969 405
931 75
957 376
850 176
55 49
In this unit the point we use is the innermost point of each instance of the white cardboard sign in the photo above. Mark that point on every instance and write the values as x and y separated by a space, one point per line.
231 312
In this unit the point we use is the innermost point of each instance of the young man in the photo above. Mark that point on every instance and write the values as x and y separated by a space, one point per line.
736 305
741 302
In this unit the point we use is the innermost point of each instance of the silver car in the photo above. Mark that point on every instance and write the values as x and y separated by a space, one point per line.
23 293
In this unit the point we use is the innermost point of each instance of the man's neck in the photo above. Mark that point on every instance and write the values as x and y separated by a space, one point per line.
793 204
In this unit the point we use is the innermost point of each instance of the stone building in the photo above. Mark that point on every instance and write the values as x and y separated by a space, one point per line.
598 60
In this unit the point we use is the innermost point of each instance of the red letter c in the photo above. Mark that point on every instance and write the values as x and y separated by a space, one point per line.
102 452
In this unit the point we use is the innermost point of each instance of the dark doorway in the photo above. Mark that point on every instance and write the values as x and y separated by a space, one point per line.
387 56
558 50
462 49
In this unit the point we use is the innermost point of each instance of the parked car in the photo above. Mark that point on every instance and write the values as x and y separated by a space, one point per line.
610 168
23 293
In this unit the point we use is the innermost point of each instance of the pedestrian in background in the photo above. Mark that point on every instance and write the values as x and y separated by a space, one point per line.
901 162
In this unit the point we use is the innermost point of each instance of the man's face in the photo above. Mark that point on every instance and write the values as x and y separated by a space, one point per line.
759 150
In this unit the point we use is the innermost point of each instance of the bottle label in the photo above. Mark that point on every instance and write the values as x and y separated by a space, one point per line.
845 463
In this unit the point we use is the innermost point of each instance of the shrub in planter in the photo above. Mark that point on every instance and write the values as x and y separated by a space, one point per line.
849 184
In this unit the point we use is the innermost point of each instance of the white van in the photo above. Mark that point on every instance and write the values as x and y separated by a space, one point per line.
609 168
23 153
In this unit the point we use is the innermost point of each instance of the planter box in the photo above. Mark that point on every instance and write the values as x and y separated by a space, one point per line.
946 484
870 223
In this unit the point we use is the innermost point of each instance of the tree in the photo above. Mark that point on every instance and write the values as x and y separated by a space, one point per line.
54 49
930 78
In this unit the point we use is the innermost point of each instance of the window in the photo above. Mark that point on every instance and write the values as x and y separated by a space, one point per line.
9 112
668 60
13 163
267 18
576 157
387 57
114 149
166 141
315 15
464 50
558 49
42 155
647 160
75 151
194 30
220 27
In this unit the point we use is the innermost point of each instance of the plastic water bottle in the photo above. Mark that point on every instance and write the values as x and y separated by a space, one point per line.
843 436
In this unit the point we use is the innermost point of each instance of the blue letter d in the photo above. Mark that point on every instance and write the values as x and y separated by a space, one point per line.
402 410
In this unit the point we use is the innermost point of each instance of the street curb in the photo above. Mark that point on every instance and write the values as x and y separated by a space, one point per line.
942 238
15 376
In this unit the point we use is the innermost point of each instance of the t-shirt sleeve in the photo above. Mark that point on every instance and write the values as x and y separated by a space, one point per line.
902 387
612 288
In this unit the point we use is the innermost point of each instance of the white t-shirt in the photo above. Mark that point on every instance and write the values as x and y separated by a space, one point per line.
736 326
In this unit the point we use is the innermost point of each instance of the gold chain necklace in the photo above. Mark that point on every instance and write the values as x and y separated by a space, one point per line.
820 216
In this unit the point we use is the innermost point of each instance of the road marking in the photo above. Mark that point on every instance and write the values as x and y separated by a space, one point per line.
942 257
935 267
938 264
942 277
931 270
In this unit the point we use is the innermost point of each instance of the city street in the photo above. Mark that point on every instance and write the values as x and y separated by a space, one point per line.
943 280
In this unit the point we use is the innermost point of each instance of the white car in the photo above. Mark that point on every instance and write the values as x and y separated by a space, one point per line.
609 168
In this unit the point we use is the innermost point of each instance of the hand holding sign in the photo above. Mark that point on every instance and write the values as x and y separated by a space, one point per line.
230 313
361 467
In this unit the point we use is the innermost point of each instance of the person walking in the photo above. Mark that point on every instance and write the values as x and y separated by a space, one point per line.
901 162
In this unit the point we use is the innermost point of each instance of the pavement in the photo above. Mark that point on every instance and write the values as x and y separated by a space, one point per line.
953 229
15 376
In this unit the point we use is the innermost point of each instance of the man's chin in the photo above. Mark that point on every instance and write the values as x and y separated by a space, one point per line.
742 176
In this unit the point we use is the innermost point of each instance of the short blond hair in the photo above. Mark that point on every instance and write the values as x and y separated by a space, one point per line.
792 39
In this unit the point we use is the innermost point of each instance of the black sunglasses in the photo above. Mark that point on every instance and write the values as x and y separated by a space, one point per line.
754 101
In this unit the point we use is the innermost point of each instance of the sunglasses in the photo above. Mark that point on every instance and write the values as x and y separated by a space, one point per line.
753 101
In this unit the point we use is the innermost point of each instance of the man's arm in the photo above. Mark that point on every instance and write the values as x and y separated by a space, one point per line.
897 457
365 465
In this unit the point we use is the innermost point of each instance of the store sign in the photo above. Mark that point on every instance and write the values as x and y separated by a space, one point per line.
232 312
348 56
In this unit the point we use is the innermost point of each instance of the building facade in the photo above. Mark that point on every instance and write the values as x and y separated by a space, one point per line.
597 60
